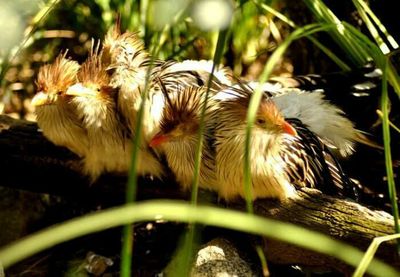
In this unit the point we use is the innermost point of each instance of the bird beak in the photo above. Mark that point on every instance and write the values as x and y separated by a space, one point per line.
41 99
158 139
289 129
79 90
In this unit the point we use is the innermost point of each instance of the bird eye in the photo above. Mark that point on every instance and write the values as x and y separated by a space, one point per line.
59 92
260 121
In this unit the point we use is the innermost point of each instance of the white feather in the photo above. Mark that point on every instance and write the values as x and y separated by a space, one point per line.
321 116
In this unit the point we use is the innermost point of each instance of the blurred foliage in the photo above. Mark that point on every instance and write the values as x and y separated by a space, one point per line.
34 32
53 25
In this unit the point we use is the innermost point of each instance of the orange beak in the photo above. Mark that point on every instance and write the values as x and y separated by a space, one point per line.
289 129
158 139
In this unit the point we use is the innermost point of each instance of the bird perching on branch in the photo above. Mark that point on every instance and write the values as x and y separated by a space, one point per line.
320 115
131 66
55 116
179 135
109 137
284 153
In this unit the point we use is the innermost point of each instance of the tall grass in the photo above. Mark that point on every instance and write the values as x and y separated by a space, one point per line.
131 190
135 16
361 49
184 212
189 242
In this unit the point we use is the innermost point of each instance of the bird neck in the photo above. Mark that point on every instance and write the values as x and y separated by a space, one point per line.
95 112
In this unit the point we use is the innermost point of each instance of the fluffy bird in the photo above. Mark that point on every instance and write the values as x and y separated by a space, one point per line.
130 63
56 118
284 153
179 135
322 117
109 148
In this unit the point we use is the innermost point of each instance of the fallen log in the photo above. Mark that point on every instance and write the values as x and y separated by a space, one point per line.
30 162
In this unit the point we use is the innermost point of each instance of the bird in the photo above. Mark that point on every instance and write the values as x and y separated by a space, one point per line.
56 118
179 136
359 87
284 154
320 115
358 93
110 141
130 63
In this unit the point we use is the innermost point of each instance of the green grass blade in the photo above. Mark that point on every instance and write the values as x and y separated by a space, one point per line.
394 78
388 154
256 97
127 233
374 51
374 32
363 5
388 74
363 42
342 65
144 12
323 48
216 61
189 245
369 254
178 211
263 260
340 34
274 12
397 129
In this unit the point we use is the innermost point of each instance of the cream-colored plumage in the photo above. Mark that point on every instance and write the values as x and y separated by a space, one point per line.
268 166
322 117
284 152
179 134
109 148
130 63
56 118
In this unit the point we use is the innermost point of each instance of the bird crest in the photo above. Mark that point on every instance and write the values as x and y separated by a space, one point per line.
93 72
270 112
58 76
183 105
126 48
242 95
110 42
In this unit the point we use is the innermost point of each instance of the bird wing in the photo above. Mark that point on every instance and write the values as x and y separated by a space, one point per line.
318 166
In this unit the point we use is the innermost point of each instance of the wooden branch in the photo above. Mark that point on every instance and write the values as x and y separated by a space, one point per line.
32 163
341 219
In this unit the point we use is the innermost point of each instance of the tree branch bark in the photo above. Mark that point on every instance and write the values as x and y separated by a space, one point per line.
341 219
30 162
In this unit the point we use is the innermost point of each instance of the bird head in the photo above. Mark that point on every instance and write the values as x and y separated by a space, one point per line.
93 80
54 80
176 132
181 115
268 116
